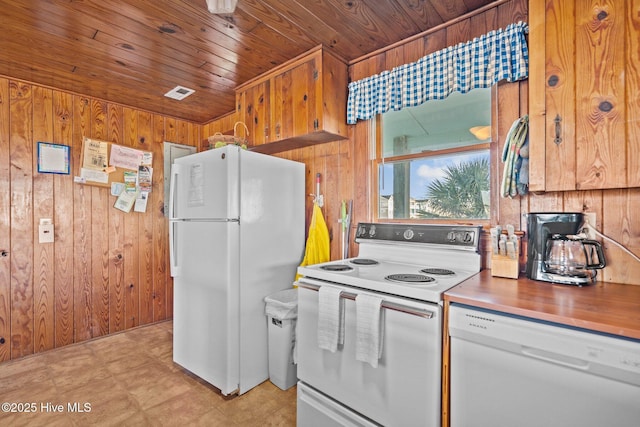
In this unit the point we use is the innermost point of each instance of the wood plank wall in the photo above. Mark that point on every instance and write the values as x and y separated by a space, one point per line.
107 270
345 165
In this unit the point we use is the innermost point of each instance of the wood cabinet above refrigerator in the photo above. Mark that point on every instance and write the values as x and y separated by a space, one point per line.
583 92
300 103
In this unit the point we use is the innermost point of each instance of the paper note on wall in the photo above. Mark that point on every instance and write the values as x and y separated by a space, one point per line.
94 175
95 155
147 158
141 202
130 181
117 188
125 157
125 201
145 178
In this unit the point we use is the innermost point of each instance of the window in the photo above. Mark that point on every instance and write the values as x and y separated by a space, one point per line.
433 160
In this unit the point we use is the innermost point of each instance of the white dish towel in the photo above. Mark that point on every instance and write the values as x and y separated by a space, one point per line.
330 318
369 330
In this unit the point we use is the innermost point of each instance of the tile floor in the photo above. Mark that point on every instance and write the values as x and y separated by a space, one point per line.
129 379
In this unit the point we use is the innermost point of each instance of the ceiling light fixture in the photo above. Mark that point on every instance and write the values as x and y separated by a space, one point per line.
481 132
221 6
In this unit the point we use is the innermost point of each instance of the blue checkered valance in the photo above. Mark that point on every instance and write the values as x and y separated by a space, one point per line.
480 63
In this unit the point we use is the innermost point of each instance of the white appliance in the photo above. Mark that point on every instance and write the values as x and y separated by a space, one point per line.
236 235
514 371
409 267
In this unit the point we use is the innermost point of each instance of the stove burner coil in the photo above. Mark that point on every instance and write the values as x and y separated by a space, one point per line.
438 271
410 278
364 261
336 267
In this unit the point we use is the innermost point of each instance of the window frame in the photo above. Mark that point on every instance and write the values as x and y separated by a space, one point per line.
377 160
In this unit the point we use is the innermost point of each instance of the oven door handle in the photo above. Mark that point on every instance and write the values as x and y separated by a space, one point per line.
420 312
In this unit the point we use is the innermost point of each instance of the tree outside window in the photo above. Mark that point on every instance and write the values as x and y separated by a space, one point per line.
433 160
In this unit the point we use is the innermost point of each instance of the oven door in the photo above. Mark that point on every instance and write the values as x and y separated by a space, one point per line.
405 387
315 409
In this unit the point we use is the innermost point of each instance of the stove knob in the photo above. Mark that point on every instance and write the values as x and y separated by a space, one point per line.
372 231
408 234
451 236
468 237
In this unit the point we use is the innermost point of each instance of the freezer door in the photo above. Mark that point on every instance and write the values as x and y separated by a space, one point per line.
206 185
206 295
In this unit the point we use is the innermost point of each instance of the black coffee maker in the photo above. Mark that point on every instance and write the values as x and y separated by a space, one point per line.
551 236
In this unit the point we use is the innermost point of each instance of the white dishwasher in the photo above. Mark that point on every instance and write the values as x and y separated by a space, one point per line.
515 371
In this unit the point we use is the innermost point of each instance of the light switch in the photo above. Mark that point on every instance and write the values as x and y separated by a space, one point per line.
45 231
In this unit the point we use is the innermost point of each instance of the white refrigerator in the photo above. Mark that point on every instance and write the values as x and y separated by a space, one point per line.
236 235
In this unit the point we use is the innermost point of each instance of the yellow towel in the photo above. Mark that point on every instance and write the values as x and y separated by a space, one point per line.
317 249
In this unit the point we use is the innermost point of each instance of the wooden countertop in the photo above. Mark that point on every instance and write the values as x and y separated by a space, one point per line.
605 307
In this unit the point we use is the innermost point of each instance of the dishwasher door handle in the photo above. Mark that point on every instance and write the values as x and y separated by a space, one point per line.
558 359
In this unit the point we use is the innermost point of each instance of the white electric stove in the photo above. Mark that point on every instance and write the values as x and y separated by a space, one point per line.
408 267
414 261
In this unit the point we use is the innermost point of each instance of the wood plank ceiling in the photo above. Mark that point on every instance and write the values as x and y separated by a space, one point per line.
132 52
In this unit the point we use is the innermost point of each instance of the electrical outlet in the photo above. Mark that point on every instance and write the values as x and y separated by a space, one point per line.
590 217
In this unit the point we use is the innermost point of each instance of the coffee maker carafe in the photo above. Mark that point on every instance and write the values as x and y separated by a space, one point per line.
554 252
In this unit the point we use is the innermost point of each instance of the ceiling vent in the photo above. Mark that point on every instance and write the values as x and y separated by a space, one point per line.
221 6
179 93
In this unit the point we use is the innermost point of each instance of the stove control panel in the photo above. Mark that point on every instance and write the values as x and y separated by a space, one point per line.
463 237
460 236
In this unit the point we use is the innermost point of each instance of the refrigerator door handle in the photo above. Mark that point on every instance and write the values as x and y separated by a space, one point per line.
175 170
173 258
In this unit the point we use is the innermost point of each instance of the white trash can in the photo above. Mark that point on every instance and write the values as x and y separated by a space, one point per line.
281 309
